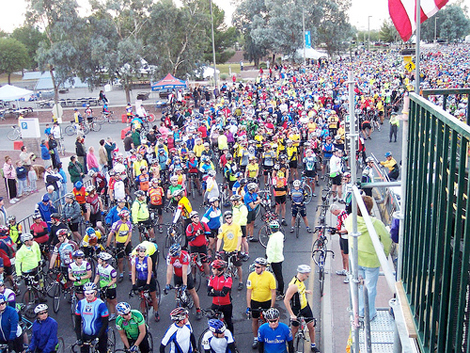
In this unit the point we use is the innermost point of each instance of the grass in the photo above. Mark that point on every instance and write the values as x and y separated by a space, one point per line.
13 78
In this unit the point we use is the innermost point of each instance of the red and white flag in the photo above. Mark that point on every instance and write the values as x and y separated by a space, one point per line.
403 14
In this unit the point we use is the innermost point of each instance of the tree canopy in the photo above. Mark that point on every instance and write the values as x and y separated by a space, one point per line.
450 24
13 56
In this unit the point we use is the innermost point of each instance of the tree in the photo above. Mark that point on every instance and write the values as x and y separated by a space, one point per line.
31 37
450 24
13 56
388 33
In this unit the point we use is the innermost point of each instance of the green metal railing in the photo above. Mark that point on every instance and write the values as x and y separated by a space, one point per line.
436 243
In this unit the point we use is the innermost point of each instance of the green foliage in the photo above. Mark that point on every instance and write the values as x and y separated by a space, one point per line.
388 33
31 37
363 36
13 56
223 77
450 24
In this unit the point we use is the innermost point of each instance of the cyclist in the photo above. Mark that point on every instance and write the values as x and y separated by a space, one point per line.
178 265
341 230
122 229
298 205
44 331
275 256
296 304
193 171
179 335
310 161
16 229
28 256
260 294
157 200
218 339
196 233
143 278
7 256
63 250
72 214
39 230
336 169
91 320
10 331
184 208
91 242
79 193
151 251
327 150
280 195
274 336
219 288
132 328
231 234
240 218
212 219
140 212
106 275
268 158
96 208
252 169
9 295
113 214
56 225
79 272
292 155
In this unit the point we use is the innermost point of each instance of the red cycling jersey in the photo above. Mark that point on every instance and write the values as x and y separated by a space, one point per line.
196 234
218 283
178 262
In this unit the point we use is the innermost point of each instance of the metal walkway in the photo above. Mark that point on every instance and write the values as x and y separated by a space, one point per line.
382 331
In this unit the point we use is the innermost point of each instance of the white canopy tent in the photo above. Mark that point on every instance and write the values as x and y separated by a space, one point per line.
13 93
310 53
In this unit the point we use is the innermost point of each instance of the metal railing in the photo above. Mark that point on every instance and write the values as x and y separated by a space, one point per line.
436 229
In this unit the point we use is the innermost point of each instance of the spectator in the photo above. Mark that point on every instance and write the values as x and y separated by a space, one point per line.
3 212
45 154
51 178
45 208
103 156
33 178
53 148
81 152
21 174
53 195
91 160
128 143
368 261
9 173
110 146
75 170
392 165
63 184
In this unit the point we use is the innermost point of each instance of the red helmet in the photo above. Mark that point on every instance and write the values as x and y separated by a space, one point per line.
4 230
218 264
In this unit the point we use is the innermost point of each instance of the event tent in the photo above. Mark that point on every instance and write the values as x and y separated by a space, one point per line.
169 82
310 53
13 93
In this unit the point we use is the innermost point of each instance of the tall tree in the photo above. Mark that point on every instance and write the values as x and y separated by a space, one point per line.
388 33
13 56
30 36
450 24
334 29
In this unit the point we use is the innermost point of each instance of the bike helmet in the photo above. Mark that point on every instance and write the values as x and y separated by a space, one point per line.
78 185
90 189
139 193
104 256
274 225
369 159
261 261
271 314
177 193
26 237
4 230
13 218
174 178
216 326
219 264
141 247
2 299
388 154
179 314
193 214
123 213
36 216
40 308
91 173
90 232
243 181
175 250
296 183
211 173
121 201
304 269
123 308
228 213
61 232
90 286
252 186
69 196
238 174
78 253
235 198
55 216
347 175
155 181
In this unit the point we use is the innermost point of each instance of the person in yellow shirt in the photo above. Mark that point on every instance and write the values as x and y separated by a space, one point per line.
252 169
198 148
392 165
292 155
260 293
138 164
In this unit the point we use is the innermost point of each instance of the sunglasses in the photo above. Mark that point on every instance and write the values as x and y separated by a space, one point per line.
42 313
273 321
90 293
228 217
258 267
78 258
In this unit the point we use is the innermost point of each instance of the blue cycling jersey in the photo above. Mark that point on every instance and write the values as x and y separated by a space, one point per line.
91 313
275 341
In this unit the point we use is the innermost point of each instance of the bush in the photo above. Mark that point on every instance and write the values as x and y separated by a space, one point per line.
223 77
262 66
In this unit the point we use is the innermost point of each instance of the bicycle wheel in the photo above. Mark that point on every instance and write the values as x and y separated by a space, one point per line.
111 340
158 292
100 119
112 119
75 348
150 341
299 343
30 299
194 188
73 304
200 343
70 130
321 278
297 226
263 236
95 127
60 347
86 129
307 193
197 278
56 297
13 134
144 309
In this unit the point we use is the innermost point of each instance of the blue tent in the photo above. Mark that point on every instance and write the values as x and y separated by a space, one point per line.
168 83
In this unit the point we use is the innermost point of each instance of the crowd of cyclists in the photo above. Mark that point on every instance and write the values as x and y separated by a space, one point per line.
217 165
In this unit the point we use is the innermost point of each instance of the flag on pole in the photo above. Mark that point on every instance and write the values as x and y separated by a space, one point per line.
403 14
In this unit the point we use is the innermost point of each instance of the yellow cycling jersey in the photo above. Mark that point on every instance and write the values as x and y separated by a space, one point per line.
252 170
261 286
198 150
292 153
87 241
137 165
185 206
300 297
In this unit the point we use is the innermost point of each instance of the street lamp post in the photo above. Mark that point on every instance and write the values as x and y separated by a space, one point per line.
435 29
368 29
213 47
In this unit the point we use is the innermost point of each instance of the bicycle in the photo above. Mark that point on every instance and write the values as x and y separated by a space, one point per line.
15 133
33 294
224 196
209 314
57 285
149 339
306 188
75 129
93 344
183 298
146 299
266 202
193 186
320 253
264 232
300 337
94 126
106 117
197 268
174 234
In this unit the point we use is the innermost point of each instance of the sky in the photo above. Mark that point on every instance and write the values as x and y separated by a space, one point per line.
12 14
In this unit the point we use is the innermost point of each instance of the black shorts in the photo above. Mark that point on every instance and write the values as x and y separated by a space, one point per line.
156 208
293 164
95 217
152 285
147 223
336 180
267 170
280 199
237 262
8 270
255 313
214 233
326 160
73 227
306 313
111 293
366 126
251 216
297 209
144 346
243 231
230 184
344 245
311 173
178 281
201 250
84 207
78 289
127 251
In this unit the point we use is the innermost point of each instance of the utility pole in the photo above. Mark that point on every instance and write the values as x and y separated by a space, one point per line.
303 29
213 48
368 29
435 29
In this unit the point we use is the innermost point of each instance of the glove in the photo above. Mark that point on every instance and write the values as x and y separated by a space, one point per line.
80 343
146 286
134 287
133 349
247 312
333 231
183 288
167 289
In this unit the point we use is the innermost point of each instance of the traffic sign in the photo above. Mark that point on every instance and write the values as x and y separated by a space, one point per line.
410 66
24 125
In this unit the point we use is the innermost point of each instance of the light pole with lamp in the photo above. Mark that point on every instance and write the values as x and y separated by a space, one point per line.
435 28
368 29
213 48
